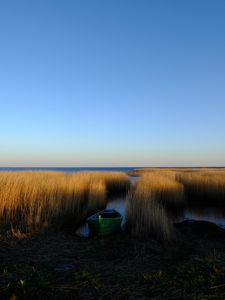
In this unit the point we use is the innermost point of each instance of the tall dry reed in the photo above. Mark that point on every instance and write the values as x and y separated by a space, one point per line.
163 187
32 201
116 182
146 216
148 201
205 187
142 171
96 196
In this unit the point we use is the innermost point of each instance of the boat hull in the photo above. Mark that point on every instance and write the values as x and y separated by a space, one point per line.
103 226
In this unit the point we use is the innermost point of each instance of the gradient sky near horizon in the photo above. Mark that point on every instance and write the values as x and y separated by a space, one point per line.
112 83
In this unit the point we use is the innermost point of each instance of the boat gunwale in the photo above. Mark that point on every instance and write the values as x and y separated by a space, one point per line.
94 217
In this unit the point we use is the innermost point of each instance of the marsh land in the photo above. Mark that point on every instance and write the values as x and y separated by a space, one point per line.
155 257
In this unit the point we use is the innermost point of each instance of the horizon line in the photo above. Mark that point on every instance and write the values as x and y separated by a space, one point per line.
101 167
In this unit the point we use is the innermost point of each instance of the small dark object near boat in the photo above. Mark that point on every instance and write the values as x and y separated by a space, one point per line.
203 229
105 222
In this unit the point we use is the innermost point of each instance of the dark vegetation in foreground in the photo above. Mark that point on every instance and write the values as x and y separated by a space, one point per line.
41 258
59 265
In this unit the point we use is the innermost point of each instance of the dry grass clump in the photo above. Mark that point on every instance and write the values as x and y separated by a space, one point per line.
146 216
163 187
100 184
96 196
206 187
148 201
116 182
34 200
31 201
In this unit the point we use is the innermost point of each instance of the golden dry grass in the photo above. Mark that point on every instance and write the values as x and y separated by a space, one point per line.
201 185
32 201
163 187
146 216
96 195
116 182
141 171
206 187
147 203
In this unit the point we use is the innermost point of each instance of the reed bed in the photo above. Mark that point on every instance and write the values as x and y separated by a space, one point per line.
33 201
163 187
147 205
142 171
205 187
96 196
116 182
146 216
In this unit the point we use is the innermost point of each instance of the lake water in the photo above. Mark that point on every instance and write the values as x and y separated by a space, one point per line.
69 170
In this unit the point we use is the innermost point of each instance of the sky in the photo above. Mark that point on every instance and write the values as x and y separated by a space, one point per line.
112 83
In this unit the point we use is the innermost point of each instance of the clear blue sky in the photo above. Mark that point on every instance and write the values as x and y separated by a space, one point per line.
112 83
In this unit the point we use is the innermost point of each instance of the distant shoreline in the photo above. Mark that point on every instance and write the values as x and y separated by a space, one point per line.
115 169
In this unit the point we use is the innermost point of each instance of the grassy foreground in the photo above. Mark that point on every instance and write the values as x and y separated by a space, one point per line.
58 265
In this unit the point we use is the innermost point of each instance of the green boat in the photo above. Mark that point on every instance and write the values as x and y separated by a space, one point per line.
105 222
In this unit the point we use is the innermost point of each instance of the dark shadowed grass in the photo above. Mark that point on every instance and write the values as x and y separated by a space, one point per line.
61 266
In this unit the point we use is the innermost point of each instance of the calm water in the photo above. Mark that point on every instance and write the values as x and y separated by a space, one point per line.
68 170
